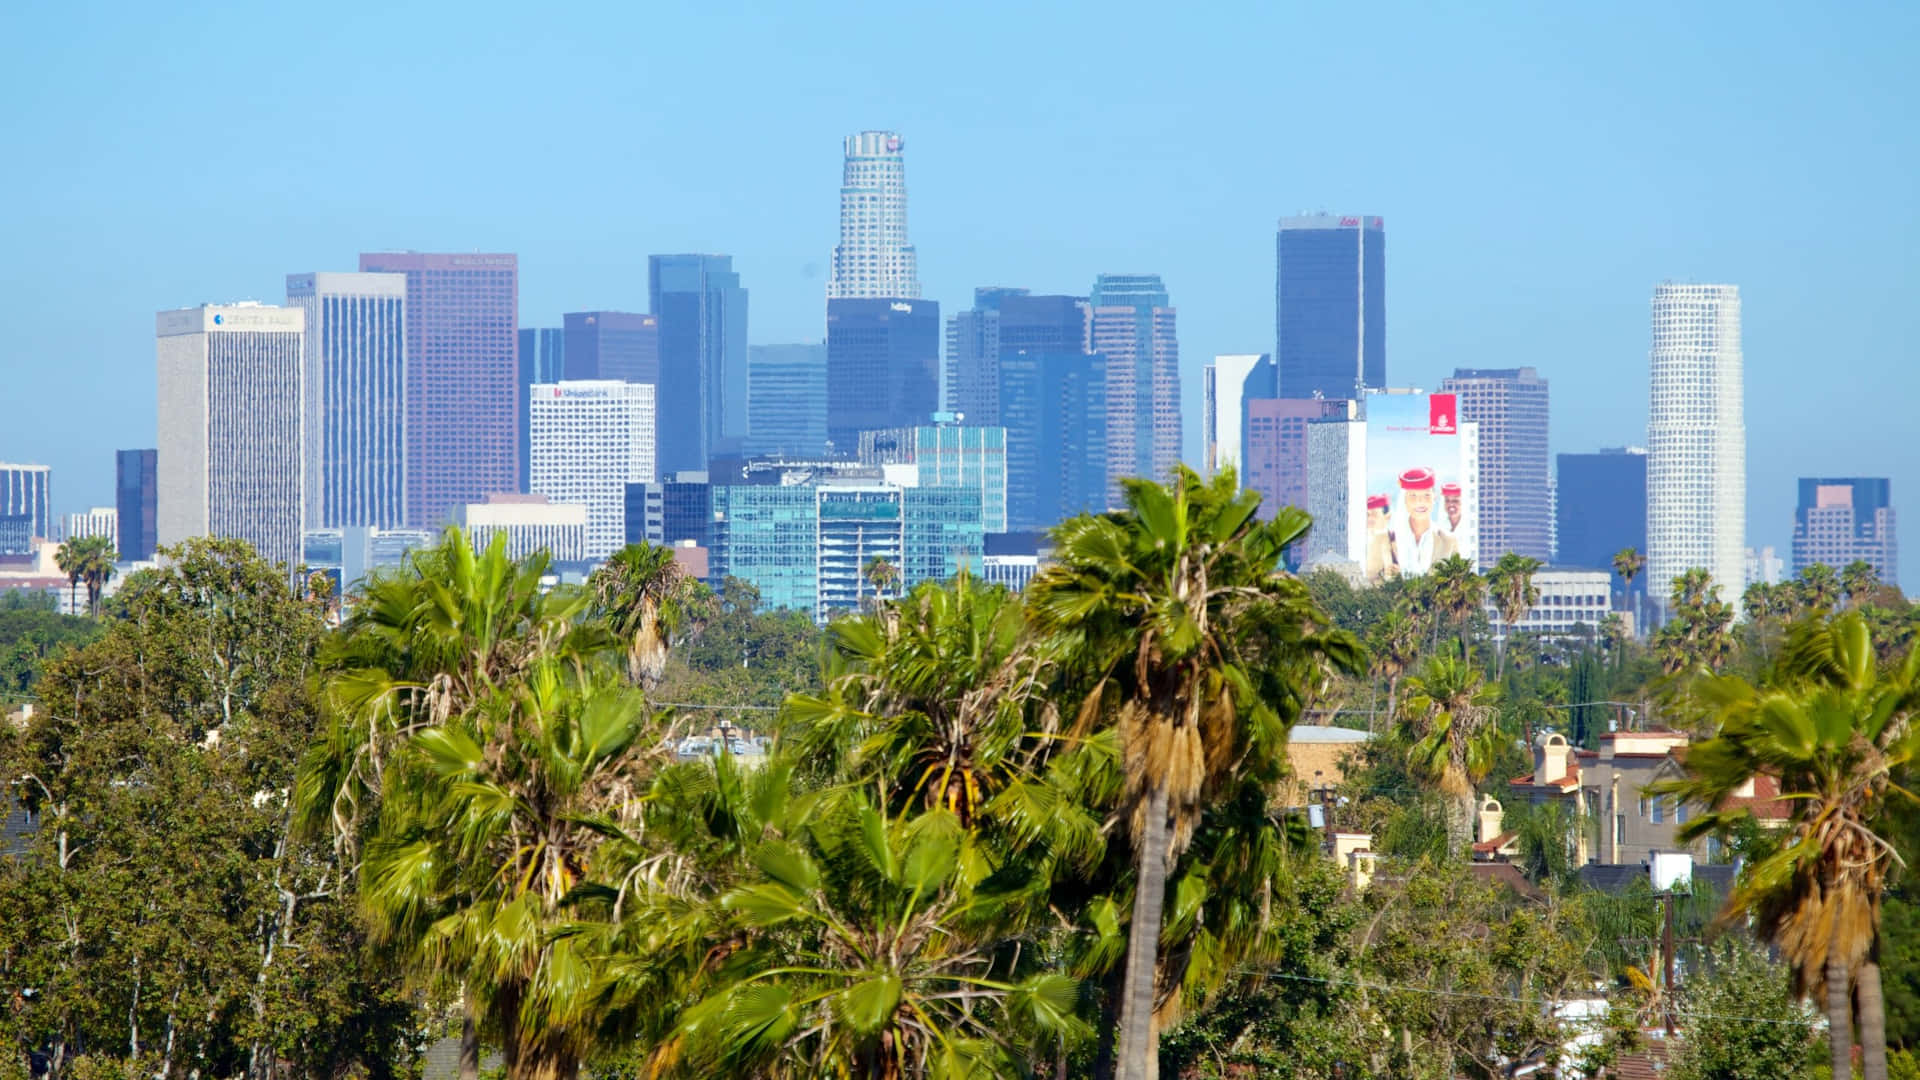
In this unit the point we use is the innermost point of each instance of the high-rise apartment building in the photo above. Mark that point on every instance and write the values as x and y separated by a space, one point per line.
949 455
1696 440
619 345
1516 502
787 400
703 356
1134 328
355 424
1002 321
1330 335
1601 508
462 312
1276 447
543 359
1839 520
1230 382
229 460
26 507
136 487
1054 409
883 366
590 440
95 521
874 259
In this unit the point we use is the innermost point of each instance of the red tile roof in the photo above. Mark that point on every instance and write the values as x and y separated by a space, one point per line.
1488 847
1765 803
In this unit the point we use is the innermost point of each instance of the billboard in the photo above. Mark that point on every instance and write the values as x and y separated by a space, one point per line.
1420 499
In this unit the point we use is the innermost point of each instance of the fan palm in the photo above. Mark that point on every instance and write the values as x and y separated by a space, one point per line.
1818 586
882 576
1458 592
1200 649
71 561
1627 563
483 839
1394 645
1834 732
1859 580
1450 725
1511 584
647 599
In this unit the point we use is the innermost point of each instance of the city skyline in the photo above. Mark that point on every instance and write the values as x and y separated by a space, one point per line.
1565 280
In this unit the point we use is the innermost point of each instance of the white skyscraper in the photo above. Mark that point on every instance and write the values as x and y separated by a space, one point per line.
874 258
590 438
229 430
1228 380
1696 440
355 420
26 506
96 521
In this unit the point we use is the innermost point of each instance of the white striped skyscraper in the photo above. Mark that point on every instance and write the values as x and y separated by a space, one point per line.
355 420
26 506
874 258
229 426
1696 440
590 438
1133 328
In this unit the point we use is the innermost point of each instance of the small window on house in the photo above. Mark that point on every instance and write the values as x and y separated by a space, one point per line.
1644 808
1659 811
1680 814
1619 830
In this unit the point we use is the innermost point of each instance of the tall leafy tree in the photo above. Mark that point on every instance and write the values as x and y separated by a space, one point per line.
1458 593
648 600
1200 650
1511 584
1454 735
1835 732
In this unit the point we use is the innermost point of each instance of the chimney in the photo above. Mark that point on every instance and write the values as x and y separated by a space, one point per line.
1493 819
1550 753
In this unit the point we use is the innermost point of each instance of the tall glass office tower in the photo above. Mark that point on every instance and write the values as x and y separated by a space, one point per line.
355 424
1697 440
1133 327
26 506
883 366
1516 505
543 359
873 258
703 356
136 498
1330 303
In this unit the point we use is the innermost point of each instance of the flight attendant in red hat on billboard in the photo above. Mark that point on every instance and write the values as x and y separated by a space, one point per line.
1450 495
1379 541
1418 541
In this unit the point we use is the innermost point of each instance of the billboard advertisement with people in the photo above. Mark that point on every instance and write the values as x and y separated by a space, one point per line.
1421 502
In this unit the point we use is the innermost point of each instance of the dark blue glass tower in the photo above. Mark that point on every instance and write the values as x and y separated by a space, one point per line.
136 491
703 357
1002 321
883 366
1331 305
1602 510
1054 407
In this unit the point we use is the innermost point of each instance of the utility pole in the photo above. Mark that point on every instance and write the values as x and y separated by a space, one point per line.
1666 952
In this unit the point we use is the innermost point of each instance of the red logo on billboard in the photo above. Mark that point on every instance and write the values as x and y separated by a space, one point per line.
1349 222
1441 415
893 144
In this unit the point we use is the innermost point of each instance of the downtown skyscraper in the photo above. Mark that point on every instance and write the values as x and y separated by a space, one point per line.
1134 328
1839 520
355 379
136 501
1229 383
229 458
1516 501
874 258
26 506
1696 440
1004 321
462 313
1330 304
703 357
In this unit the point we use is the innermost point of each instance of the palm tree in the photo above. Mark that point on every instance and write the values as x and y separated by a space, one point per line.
1511 583
71 561
492 823
1699 633
1450 723
1859 580
1458 592
1627 563
1198 646
881 576
647 599
1818 586
1833 731
1394 645
96 566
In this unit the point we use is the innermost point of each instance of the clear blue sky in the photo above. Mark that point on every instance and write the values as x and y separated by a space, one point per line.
1540 168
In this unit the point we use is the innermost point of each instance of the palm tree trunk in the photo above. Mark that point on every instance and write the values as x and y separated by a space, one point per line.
469 1045
1137 1043
1873 1020
1839 1015
1460 826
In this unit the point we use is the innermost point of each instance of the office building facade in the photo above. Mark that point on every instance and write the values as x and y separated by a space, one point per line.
787 400
622 346
1516 501
1133 326
1696 440
949 455
230 415
355 424
462 318
591 439
1276 447
874 259
26 506
543 359
136 487
1330 304
703 356
347 555
1001 321
96 521
1228 384
883 366
1840 520
1601 509
1055 410
531 525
